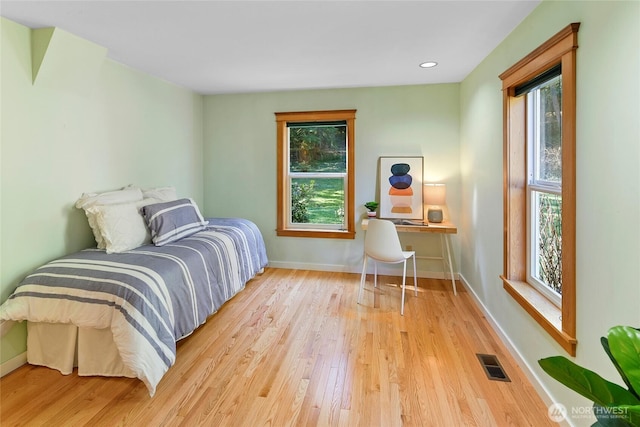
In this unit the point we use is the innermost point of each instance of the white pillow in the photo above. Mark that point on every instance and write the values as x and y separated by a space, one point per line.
129 194
88 200
163 194
121 225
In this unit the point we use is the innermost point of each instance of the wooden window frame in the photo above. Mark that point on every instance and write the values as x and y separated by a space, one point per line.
560 323
282 143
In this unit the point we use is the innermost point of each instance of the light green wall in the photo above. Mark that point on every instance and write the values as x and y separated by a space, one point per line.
240 159
608 182
99 131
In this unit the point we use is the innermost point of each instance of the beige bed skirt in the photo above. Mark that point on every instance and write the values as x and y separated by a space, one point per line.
63 347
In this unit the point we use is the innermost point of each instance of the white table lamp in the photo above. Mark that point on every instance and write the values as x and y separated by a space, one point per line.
435 196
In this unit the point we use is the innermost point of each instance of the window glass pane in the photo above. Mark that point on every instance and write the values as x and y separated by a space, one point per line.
548 127
320 148
548 239
317 200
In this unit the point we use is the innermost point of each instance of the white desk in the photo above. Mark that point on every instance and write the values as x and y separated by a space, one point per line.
444 229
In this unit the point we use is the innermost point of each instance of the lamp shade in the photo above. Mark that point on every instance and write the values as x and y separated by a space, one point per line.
435 194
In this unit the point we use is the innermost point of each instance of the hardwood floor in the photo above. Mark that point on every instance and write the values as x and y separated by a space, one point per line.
295 349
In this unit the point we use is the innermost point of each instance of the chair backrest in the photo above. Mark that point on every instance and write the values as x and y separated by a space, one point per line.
382 242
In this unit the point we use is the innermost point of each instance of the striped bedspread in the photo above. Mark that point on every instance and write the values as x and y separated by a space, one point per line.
149 297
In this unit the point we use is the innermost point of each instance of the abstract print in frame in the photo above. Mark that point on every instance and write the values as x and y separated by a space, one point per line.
401 188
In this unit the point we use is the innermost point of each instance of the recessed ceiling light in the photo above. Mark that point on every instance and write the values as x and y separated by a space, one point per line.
428 64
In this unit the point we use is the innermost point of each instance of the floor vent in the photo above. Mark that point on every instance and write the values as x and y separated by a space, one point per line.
492 367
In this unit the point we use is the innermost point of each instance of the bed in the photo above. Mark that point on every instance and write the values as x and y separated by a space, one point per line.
121 314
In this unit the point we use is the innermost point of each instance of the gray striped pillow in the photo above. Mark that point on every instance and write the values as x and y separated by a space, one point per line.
171 221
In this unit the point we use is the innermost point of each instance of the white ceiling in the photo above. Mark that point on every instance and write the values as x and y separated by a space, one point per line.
215 47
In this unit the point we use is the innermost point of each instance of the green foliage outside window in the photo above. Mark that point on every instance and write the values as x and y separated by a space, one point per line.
300 195
318 149
317 201
551 127
312 149
549 169
550 243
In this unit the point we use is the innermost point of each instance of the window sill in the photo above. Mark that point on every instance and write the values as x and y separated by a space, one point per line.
542 310
326 234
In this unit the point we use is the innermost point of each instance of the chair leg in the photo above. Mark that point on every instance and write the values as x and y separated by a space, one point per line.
404 282
375 274
363 278
415 277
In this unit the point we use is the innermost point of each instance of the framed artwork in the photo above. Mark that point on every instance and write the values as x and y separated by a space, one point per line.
401 188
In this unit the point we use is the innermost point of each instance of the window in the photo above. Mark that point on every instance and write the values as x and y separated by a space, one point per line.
539 98
316 174
544 186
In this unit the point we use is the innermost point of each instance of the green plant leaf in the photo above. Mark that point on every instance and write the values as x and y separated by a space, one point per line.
634 413
587 383
616 416
624 343
605 345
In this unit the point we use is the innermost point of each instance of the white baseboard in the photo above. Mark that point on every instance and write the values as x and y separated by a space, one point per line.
382 269
13 364
309 266
526 368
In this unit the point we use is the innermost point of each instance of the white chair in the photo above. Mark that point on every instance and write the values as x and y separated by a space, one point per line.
382 244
